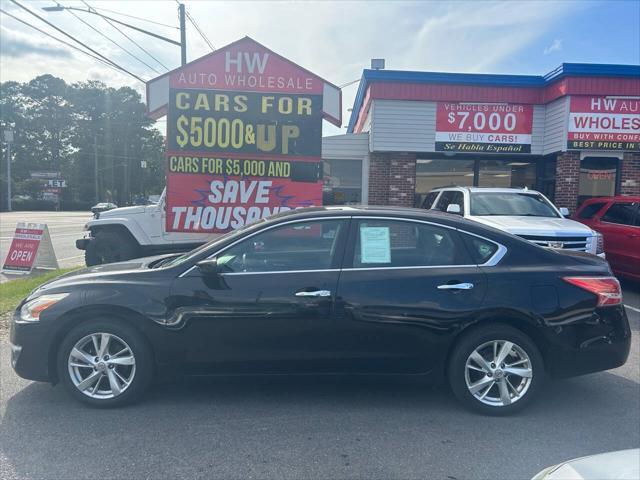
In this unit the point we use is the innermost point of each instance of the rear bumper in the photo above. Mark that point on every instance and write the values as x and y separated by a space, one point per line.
601 344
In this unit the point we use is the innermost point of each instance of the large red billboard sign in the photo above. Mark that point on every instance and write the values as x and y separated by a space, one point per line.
244 136
604 123
483 127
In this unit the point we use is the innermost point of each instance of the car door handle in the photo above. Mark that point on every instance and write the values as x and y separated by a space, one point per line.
315 293
456 286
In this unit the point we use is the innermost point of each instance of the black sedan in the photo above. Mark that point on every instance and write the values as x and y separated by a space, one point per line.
332 290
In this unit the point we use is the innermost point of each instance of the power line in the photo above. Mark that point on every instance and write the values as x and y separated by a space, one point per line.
137 18
349 83
111 40
131 40
193 21
59 40
77 41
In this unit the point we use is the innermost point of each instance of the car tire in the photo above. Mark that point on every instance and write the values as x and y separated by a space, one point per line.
131 370
109 247
481 384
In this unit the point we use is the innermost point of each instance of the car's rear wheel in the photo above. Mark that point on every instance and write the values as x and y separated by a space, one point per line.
495 370
105 363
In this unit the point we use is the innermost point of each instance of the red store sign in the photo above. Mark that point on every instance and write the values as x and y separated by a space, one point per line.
604 123
244 138
483 127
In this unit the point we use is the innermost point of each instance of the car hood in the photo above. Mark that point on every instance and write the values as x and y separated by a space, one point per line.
97 273
620 465
117 212
520 225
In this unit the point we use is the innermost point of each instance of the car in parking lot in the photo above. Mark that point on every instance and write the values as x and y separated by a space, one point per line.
103 207
352 290
617 219
519 211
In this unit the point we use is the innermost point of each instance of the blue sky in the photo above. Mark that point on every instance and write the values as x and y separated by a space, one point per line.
337 39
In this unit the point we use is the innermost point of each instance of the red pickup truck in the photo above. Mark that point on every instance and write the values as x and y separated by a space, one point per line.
618 220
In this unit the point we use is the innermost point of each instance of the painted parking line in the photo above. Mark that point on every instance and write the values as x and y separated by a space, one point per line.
633 309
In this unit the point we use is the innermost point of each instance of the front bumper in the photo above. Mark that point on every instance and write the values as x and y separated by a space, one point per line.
83 243
30 348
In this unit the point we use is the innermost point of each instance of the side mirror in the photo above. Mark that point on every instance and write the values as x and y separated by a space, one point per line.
208 267
564 211
454 208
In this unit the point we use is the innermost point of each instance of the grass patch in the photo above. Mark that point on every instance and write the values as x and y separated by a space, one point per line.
15 290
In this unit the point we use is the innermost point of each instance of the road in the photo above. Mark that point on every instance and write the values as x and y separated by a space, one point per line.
298 427
64 228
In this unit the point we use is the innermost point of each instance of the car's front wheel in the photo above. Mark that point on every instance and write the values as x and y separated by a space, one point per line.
495 370
105 363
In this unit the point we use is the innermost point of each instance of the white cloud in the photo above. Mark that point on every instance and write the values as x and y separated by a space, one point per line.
555 46
336 40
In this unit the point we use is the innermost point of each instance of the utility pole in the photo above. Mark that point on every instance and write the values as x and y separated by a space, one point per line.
8 138
95 166
126 172
183 34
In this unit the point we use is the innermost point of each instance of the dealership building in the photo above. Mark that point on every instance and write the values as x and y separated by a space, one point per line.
572 134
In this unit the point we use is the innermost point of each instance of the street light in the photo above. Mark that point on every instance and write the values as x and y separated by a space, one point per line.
8 138
183 34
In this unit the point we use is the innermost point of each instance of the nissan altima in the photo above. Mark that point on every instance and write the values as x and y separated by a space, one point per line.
362 290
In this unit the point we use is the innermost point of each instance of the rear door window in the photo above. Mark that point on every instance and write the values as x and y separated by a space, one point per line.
481 250
395 243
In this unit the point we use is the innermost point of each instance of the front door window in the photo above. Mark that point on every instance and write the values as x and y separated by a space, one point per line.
310 245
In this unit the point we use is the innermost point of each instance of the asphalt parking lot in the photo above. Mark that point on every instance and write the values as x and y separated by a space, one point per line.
308 427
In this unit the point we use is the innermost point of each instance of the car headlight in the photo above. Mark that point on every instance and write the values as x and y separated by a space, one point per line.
599 239
30 311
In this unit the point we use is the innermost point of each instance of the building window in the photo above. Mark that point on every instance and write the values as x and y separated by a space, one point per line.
435 173
342 182
507 174
597 177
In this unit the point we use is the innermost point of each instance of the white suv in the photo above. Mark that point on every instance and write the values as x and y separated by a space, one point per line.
525 213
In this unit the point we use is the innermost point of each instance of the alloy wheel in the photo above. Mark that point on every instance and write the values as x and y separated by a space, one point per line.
101 365
498 373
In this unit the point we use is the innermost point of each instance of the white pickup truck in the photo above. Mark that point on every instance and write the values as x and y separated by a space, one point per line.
131 232
525 213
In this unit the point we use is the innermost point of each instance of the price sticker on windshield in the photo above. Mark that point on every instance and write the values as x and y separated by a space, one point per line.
484 127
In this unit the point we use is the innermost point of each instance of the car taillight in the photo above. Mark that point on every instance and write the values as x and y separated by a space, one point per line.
607 289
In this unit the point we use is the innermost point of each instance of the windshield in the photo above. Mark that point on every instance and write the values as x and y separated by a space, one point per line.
197 251
507 203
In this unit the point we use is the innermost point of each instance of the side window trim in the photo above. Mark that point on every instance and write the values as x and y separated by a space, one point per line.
353 232
270 227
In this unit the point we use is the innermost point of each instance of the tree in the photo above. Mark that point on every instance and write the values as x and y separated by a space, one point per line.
63 128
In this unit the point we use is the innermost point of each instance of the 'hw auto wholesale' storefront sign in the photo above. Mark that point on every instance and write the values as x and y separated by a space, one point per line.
244 136
483 127
601 123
